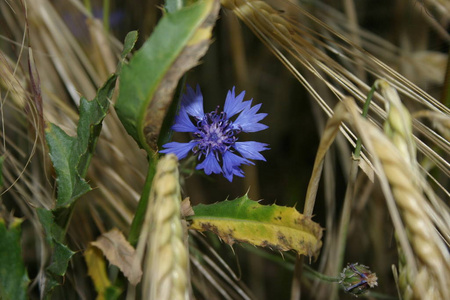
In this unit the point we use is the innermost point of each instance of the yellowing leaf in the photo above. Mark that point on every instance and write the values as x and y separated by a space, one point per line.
97 270
120 253
244 220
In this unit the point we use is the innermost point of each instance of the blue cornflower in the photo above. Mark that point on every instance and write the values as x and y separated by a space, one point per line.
215 134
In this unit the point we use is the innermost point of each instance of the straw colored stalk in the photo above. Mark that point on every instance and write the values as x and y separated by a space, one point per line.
166 262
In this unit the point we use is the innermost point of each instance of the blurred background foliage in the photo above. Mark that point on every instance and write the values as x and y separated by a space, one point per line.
75 46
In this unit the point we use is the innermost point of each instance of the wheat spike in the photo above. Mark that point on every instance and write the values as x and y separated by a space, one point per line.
424 258
430 281
166 262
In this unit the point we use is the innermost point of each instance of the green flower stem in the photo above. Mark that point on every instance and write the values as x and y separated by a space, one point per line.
106 9
287 262
313 273
138 219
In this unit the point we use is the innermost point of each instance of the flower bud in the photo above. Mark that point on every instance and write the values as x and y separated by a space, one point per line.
357 279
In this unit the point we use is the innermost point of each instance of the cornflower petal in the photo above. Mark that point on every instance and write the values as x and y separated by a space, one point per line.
193 102
248 119
179 149
183 123
232 163
251 149
215 134
236 172
210 165
234 104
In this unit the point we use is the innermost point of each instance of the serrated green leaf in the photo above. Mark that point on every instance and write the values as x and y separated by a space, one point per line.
51 229
13 275
92 114
60 259
61 255
64 154
71 156
128 44
148 82
244 220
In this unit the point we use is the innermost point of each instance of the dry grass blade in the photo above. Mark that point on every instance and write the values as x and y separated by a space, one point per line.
213 268
328 52
206 289
66 71
329 55
329 134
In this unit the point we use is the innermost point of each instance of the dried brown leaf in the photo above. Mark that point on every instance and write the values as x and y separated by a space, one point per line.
186 208
120 253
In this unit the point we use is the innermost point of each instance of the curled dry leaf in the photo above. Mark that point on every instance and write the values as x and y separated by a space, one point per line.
186 208
120 253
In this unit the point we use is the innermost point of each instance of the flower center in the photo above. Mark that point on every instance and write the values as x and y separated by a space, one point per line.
215 133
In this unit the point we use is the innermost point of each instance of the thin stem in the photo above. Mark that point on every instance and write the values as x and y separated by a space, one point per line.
348 200
138 220
345 221
312 272
106 9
